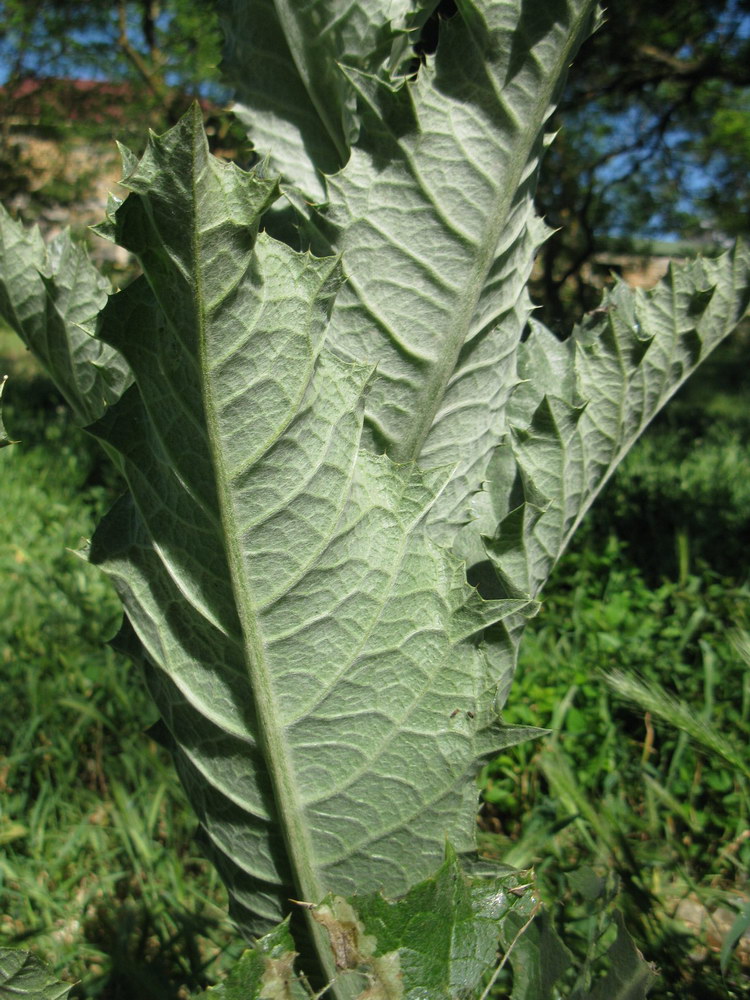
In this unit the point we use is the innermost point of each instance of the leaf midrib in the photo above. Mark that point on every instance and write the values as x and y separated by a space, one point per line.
270 736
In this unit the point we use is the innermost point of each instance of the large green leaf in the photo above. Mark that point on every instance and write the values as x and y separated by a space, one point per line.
296 102
312 650
433 214
435 219
294 581
50 296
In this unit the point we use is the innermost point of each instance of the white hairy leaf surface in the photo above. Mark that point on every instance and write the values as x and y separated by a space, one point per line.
312 650
435 219
286 59
433 213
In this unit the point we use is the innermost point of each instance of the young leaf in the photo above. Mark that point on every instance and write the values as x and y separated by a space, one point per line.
24 977
50 296
266 970
438 941
313 651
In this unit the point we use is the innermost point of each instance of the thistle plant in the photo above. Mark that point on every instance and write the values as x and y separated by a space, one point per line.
353 457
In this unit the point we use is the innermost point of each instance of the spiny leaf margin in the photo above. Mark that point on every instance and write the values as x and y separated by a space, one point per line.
581 404
50 297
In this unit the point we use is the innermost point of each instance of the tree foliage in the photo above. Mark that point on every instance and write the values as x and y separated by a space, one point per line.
656 139
166 50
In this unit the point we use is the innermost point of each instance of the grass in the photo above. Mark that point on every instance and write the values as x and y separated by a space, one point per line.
99 872
618 787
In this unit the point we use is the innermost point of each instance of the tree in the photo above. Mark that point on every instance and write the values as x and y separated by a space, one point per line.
80 73
656 140
169 51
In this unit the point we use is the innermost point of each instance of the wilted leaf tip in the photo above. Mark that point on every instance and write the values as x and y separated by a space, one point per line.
355 951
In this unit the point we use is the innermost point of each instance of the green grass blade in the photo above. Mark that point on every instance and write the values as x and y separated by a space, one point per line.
651 697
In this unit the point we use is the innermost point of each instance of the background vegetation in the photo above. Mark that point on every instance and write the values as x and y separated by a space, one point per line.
99 869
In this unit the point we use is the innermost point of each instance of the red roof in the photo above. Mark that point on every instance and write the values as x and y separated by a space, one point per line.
59 100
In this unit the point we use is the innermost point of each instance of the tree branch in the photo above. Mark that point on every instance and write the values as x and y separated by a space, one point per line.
153 80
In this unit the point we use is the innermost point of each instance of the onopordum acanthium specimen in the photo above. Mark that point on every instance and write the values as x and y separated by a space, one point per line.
328 452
